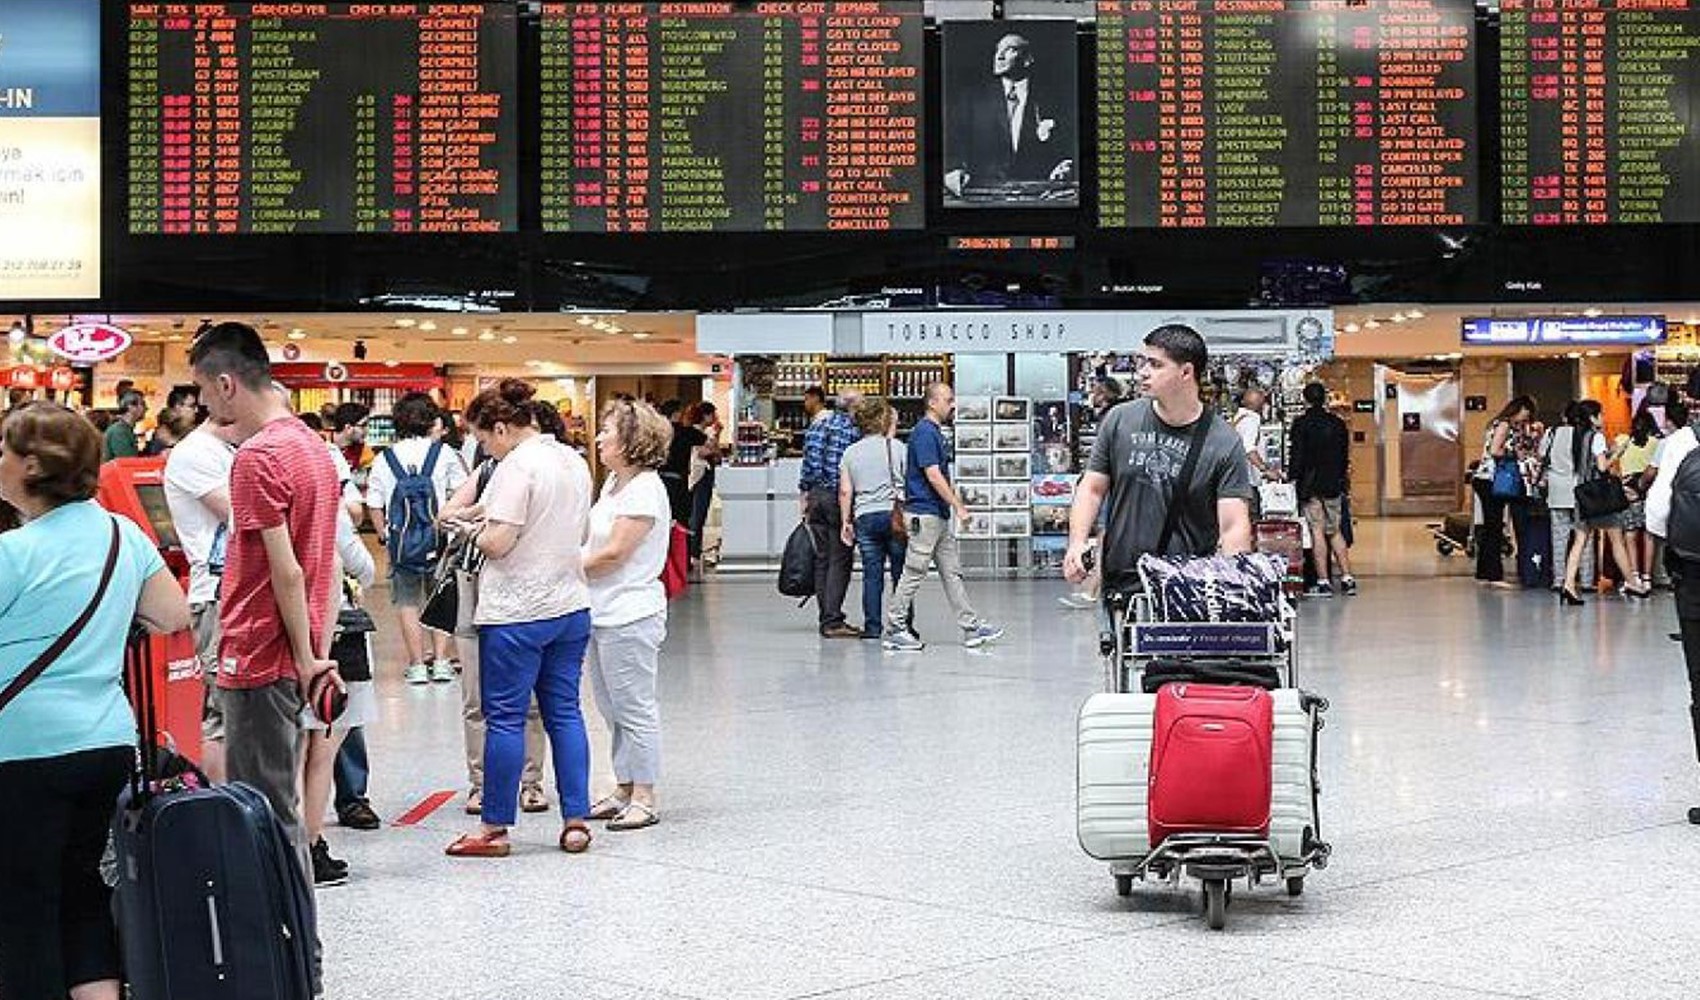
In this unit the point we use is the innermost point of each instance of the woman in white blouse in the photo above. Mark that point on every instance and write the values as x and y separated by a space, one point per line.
630 529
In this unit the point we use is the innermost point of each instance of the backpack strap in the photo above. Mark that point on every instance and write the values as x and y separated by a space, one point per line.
1183 482
40 664
430 466
394 463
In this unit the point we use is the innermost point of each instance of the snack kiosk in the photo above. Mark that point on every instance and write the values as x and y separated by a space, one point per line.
135 488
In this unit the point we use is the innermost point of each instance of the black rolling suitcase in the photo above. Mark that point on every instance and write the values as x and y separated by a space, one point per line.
211 901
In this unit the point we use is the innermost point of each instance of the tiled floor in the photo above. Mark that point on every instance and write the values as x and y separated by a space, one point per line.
1504 783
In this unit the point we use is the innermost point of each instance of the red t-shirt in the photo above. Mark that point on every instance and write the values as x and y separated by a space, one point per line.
282 476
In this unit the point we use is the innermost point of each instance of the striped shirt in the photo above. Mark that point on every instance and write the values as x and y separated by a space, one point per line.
824 444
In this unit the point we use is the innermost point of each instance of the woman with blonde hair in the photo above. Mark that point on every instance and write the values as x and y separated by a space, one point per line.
870 476
630 530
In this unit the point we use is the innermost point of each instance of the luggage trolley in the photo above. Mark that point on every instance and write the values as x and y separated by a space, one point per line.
1223 652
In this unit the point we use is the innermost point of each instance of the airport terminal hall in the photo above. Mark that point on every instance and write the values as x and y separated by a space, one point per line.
850 499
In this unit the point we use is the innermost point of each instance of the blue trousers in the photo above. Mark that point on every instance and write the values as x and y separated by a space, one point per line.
880 550
546 658
351 770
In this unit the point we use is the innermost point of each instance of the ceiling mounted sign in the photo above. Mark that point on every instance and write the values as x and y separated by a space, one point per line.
90 343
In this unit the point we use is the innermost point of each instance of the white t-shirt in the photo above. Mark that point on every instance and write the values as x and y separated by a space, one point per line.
199 465
1248 424
447 476
543 488
1672 450
632 590
344 475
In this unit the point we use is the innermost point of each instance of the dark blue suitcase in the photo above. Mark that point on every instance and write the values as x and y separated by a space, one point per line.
211 900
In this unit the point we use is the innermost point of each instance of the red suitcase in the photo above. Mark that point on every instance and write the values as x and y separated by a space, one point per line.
1210 761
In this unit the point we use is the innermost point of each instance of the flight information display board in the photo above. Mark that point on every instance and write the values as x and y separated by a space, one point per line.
722 117
322 118
1286 113
1598 103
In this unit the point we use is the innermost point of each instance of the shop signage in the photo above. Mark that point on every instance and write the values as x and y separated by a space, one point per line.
1363 406
1501 331
29 377
50 153
1276 332
90 343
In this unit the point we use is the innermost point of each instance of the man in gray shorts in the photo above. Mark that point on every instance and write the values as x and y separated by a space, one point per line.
197 491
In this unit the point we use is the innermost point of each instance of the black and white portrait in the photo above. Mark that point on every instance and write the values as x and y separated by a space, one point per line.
1010 114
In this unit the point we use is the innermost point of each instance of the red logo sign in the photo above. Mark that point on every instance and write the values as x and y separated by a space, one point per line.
90 343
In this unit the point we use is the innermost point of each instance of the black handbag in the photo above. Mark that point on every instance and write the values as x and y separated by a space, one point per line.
441 612
350 649
1601 497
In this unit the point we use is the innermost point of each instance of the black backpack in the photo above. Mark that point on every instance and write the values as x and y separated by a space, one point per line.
1682 534
797 565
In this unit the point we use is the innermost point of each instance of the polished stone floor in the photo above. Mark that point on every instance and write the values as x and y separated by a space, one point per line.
1504 784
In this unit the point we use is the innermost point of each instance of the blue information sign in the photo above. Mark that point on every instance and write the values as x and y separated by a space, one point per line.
1559 330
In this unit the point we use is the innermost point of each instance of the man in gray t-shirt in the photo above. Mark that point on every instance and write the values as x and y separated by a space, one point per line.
1140 450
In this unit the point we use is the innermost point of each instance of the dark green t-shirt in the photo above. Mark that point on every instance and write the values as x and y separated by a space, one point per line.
120 442
1142 456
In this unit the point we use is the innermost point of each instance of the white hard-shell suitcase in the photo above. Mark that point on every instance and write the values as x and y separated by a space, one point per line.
1114 767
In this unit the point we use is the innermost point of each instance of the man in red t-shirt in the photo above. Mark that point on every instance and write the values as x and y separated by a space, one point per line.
280 569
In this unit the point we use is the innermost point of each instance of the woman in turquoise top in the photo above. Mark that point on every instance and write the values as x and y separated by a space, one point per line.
66 738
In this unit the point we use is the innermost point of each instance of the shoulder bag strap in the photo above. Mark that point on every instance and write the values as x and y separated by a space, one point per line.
1183 482
53 652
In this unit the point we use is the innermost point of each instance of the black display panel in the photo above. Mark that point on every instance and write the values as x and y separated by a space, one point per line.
1598 99
322 118
722 117
1286 113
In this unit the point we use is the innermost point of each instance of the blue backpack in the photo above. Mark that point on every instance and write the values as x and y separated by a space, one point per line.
412 514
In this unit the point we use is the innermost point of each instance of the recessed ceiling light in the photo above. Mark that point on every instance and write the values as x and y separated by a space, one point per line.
1414 314
612 328
1397 317
175 336
1371 324
588 321
510 339
1591 312
298 334
1593 354
1573 355
640 335
487 336
427 326
1352 328
391 363
404 322
459 331
600 325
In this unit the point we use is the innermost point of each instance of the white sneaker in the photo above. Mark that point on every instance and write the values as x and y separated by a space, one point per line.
441 672
417 673
1078 602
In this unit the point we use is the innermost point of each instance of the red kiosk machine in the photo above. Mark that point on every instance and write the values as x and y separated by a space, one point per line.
135 487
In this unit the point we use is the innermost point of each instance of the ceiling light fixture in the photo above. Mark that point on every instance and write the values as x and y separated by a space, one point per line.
404 322
391 363
640 335
1591 312
1352 328
588 321
1372 323
510 340
487 336
1414 314
428 326
298 334
459 331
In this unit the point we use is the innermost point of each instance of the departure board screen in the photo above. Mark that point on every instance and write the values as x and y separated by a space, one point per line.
322 118
1598 99
722 117
1286 113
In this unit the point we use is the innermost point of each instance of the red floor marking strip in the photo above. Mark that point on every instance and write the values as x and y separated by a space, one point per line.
430 804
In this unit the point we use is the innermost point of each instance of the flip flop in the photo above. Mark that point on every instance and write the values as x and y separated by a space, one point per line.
608 807
479 845
626 821
575 847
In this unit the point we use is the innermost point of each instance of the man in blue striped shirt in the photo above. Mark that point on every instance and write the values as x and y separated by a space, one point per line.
830 433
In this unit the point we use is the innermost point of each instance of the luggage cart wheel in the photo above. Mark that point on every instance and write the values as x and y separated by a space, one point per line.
1216 903
1444 548
1296 886
1124 885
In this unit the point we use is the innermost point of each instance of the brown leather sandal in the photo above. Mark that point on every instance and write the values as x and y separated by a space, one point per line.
480 845
575 844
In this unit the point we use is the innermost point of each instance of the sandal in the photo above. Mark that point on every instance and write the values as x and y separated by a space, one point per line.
575 839
533 800
608 807
480 845
635 816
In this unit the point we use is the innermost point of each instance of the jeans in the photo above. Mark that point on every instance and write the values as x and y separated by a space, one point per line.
472 706
880 547
832 559
1564 525
1490 537
56 927
545 657
702 496
932 541
352 770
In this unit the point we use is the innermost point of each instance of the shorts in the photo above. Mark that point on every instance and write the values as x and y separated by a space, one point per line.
409 590
1327 511
203 622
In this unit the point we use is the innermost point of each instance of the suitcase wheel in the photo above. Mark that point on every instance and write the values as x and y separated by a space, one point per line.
1124 885
1296 886
1216 903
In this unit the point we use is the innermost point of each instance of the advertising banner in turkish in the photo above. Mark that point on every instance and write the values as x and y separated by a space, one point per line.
49 149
